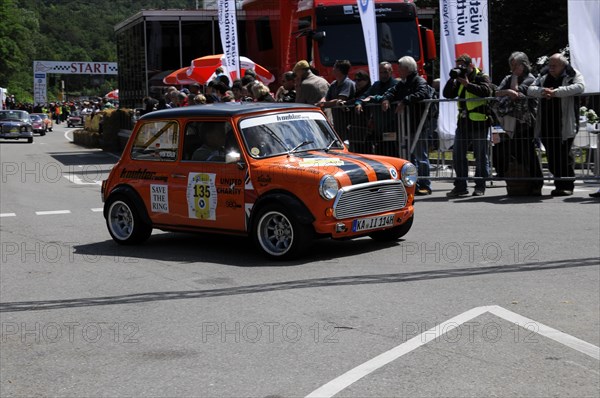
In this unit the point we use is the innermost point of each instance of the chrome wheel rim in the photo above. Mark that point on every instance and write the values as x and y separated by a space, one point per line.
275 233
121 220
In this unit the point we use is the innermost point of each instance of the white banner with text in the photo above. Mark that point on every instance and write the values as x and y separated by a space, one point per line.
229 37
463 29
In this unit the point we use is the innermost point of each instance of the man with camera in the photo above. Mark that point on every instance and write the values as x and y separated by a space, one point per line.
470 84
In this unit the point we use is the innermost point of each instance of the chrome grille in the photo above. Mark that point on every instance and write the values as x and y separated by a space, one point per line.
369 198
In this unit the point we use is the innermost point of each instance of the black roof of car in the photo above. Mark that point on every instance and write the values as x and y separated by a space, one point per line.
223 109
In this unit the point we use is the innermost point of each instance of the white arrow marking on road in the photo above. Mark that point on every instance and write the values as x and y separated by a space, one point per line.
7 214
352 376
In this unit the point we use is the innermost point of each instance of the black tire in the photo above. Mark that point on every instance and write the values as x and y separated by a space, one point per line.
392 234
124 222
43 133
30 140
279 234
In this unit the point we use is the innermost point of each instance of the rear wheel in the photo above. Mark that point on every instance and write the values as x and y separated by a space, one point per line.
279 234
124 221
392 234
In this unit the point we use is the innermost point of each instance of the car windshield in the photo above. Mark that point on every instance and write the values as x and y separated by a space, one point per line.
286 133
35 118
14 115
345 41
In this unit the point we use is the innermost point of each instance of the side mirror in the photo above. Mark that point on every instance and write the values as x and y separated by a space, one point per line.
232 157
318 36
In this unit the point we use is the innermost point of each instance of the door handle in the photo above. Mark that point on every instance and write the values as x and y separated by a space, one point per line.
178 175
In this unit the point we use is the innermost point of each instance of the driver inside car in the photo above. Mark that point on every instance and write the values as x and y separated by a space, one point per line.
212 150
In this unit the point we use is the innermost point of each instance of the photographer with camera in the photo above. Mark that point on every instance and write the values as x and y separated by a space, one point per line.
468 82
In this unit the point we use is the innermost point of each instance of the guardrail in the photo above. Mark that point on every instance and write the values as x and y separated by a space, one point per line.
413 134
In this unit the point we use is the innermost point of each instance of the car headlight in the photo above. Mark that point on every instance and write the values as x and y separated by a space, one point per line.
328 187
409 174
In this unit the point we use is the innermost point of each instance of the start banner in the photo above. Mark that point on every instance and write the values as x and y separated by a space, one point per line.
75 68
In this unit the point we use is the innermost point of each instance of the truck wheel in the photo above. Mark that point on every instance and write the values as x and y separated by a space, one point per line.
124 222
278 233
392 234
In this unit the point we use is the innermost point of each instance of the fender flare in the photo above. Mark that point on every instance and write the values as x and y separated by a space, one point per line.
131 194
288 200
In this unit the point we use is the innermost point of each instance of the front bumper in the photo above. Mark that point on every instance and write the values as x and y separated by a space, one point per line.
16 135
339 229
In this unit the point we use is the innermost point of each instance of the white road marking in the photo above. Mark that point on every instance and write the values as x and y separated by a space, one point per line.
67 135
76 180
552 187
546 331
352 376
52 212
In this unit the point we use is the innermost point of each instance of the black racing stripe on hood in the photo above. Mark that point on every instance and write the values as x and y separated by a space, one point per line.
381 170
355 172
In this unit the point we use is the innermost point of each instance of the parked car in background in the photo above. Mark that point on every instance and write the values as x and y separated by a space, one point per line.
76 119
15 125
47 120
37 124
275 172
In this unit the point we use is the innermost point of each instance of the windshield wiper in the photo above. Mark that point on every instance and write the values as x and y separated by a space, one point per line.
300 145
331 144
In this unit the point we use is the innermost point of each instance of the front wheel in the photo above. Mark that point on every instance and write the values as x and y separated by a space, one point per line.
392 234
124 222
279 234
30 140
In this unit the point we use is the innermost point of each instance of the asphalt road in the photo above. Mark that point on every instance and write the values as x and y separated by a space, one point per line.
487 296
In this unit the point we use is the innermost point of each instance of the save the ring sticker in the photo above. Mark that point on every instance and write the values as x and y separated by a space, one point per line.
202 196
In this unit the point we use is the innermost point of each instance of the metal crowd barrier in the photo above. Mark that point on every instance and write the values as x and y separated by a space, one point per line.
415 132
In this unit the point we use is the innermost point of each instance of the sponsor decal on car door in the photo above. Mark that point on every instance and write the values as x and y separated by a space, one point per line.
208 195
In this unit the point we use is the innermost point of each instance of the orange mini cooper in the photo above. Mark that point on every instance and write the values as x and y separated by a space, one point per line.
276 172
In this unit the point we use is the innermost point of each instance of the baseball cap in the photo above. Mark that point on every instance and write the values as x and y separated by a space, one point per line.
301 65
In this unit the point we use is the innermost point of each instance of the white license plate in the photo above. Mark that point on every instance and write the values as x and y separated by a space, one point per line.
365 224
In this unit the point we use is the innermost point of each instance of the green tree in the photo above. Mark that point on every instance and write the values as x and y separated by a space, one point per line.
17 32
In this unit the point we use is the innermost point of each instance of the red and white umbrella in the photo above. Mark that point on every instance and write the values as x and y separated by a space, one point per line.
113 95
202 69
178 77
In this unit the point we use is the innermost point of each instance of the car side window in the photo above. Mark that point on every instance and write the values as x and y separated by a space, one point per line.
208 141
156 141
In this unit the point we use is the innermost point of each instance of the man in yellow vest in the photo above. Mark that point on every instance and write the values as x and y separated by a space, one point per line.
469 83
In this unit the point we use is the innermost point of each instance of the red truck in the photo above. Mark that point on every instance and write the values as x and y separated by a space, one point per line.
281 32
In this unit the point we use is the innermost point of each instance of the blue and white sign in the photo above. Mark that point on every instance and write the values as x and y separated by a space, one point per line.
366 9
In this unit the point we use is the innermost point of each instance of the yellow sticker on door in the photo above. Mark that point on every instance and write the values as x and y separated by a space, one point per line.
202 196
